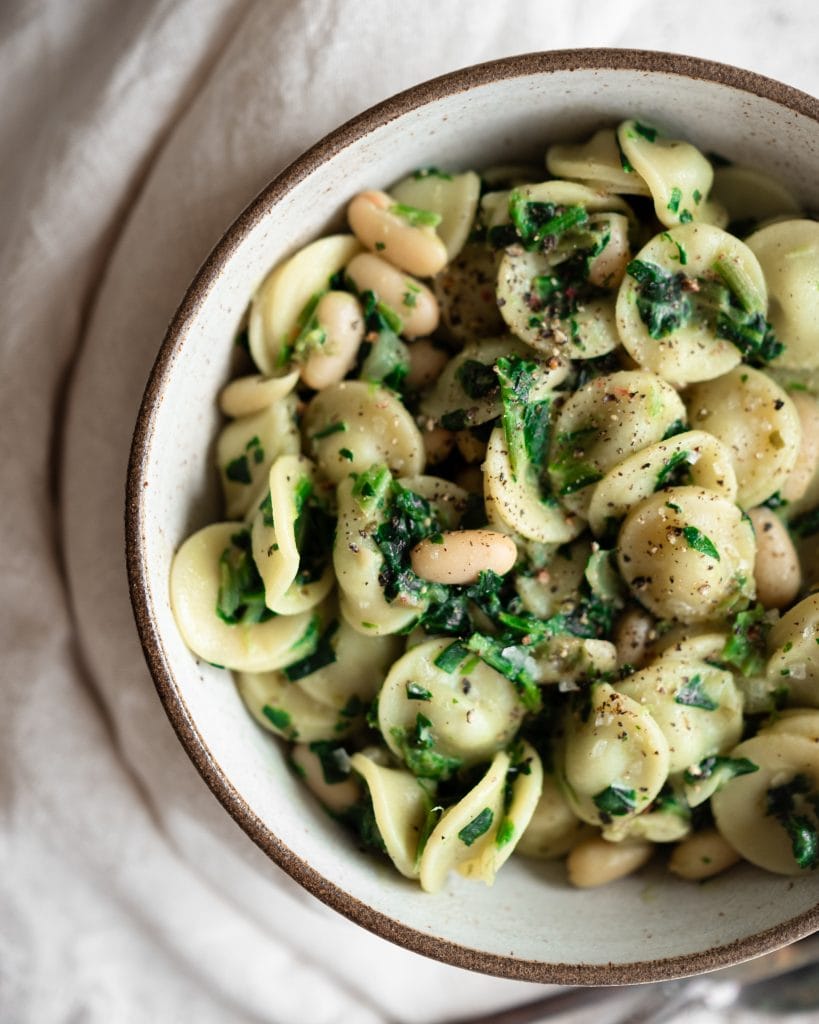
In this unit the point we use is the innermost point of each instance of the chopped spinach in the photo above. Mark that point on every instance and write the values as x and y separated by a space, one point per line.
526 422
414 217
323 655
338 427
781 803
513 660
675 471
382 356
615 801
335 761
451 657
745 648
691 694
314 529
663 302
697 540
539 225
569 467
728 767
281 720
417 746
417 692
240 600
478 827
476 378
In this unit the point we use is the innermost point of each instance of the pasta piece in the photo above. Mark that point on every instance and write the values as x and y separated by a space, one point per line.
667 820
696 705
400 805
687 554
283 707
517 503
613 759
246 449
769 816
453 197
245 396
352 426
794 662
557 194
291 542
794 722
439 719
364 508
788 252
554 586
554 828
694 455
478 834
751 196
678 176
350 668
690 299
758 424
465 290
598 161
325 768
219 606
524 784
525 288
286 292
601 423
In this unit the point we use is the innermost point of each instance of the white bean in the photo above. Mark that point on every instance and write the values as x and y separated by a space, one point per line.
702 855
633 635
460 555
377 225
426 363
412 301
340 316
596 861
807 461
245 396
438 443
336 796
777 571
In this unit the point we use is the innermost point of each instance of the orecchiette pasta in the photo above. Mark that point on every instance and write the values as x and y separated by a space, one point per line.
528 477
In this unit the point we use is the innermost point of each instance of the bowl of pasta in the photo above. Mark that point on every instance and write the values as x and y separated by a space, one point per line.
472 522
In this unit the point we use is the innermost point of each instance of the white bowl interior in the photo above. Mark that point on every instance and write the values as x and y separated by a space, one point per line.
531 917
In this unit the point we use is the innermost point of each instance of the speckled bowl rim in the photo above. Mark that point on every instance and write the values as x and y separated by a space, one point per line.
381 924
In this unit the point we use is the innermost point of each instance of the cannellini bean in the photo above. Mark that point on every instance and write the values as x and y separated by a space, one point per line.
807 461
426 363
412 301
376 224
460 555
438 443
340 315
702 855
608 268
336 796
245 396
633 635
596 861
471 447
777 571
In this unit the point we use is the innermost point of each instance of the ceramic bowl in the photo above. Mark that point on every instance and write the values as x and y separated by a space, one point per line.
531 925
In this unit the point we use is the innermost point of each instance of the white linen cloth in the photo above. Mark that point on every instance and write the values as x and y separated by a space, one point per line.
131 135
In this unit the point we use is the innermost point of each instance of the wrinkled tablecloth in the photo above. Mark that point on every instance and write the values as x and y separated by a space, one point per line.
132 134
